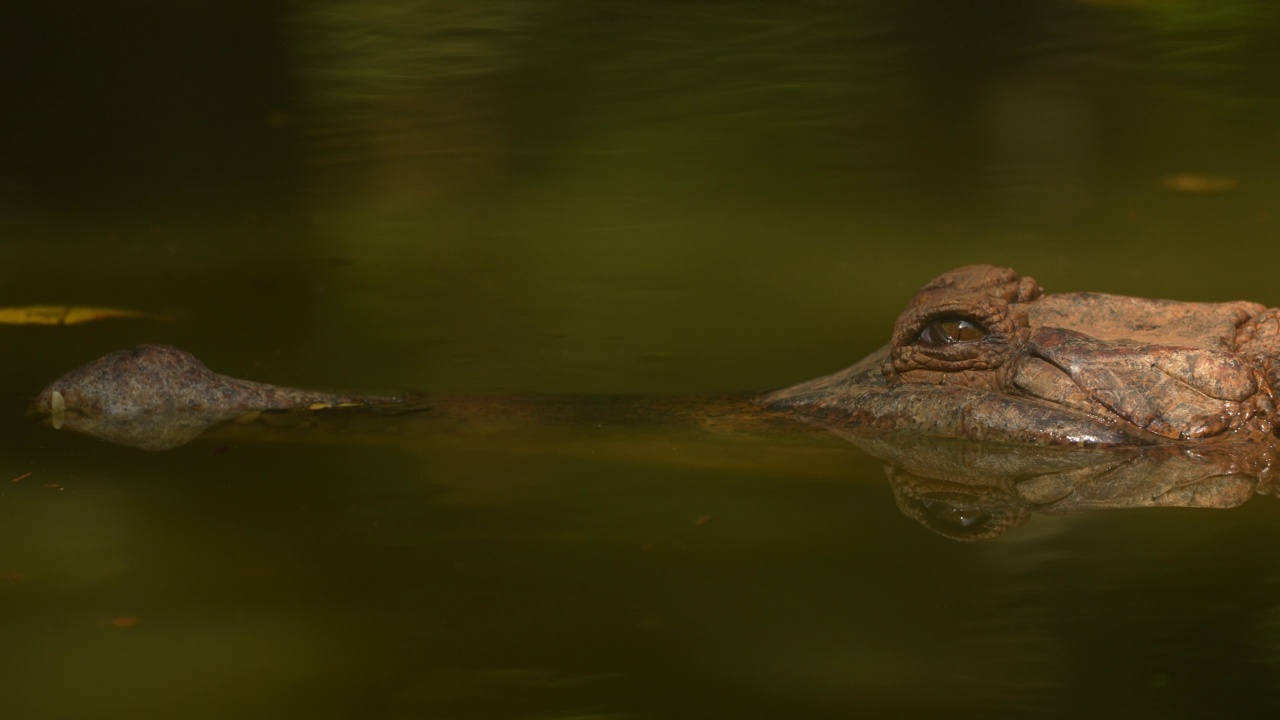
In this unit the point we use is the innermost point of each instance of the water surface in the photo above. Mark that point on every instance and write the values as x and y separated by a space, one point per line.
626 197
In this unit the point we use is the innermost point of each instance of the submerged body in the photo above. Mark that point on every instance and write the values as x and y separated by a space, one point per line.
158 397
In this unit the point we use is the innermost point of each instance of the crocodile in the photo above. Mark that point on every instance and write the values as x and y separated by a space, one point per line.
981 353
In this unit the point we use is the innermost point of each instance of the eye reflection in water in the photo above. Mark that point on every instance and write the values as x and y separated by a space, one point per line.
969 491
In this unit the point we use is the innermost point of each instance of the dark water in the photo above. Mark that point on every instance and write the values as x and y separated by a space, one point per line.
669 198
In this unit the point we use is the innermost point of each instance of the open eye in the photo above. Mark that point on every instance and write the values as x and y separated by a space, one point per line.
950 330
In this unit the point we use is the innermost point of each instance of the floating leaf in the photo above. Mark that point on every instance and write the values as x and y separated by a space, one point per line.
68 315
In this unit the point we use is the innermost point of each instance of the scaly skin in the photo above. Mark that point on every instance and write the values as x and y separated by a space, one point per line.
982 354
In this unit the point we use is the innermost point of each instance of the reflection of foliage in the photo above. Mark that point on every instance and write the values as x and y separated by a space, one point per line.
1204 36
397 79
1208 15
386 47
766 55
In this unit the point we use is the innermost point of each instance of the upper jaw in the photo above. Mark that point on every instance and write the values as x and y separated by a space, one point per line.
1175 392
859 399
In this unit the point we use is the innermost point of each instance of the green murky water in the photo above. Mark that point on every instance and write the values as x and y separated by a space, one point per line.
640 197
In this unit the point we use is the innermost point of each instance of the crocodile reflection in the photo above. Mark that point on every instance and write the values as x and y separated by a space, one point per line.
971 491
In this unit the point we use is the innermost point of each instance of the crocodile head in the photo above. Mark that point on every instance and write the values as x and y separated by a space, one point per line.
981 353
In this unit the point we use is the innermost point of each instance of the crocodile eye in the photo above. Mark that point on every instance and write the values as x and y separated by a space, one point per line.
951 330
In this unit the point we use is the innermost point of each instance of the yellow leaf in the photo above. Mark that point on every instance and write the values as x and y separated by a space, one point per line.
67 315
